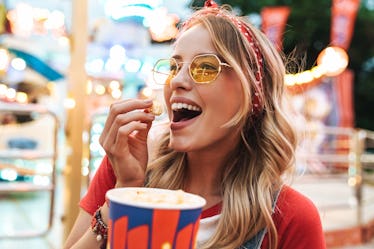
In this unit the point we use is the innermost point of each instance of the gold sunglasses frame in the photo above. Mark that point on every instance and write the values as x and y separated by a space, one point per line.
220 63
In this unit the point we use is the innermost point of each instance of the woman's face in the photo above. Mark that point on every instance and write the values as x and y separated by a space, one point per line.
197 112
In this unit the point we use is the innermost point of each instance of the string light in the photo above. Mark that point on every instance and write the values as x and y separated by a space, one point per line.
330 62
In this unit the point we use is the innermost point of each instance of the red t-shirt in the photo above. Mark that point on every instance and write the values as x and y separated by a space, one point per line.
296 217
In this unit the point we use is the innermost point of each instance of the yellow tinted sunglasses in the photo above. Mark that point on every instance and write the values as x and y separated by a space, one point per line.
203 69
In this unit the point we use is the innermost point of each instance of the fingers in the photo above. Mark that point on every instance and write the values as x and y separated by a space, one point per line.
123 125
123 120
143 133
122 107
123 134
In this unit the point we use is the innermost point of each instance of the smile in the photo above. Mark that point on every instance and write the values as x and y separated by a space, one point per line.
183 111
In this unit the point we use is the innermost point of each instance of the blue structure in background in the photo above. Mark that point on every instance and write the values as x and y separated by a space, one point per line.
38 65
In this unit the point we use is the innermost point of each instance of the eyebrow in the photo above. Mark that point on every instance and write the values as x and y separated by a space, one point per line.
179 57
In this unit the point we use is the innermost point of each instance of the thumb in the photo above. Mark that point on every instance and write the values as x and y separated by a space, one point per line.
143 134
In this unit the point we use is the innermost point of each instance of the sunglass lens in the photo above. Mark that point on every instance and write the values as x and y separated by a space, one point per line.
163 70
205 69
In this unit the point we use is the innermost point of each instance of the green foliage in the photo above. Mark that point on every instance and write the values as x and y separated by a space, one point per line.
308 32
361 55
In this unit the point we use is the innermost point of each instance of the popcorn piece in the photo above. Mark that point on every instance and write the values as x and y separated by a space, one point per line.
156 108
176 197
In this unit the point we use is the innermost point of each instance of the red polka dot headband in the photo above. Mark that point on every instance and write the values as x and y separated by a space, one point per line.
244 29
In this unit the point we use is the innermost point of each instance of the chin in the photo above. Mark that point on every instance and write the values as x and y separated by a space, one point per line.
179 145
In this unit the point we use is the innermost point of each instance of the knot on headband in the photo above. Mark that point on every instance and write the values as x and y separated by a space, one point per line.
210 4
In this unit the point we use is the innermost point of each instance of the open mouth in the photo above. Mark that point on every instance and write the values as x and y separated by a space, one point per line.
183 111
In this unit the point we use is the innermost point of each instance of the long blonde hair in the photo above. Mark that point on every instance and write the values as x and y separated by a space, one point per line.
253 173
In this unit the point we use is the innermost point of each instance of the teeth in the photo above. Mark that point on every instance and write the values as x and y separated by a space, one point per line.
178 106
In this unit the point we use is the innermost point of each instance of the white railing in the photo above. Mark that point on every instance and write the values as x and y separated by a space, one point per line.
43 129
344 154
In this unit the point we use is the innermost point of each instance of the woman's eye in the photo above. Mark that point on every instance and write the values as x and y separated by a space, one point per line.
173 68
208 66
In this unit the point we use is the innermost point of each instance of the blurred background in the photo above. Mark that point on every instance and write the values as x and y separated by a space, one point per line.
63 62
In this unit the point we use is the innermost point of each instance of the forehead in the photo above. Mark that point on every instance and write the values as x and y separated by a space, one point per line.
195 40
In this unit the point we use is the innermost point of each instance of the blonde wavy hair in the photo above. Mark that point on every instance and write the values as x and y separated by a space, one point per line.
253 173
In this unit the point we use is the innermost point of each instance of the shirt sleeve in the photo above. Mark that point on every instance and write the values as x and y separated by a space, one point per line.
103 180
298 222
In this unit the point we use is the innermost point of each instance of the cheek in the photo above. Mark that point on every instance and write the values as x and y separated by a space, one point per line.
230 94
223 103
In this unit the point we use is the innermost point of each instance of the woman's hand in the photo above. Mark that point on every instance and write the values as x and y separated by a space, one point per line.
124 140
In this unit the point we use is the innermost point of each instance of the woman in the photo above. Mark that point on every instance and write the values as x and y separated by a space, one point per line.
228 141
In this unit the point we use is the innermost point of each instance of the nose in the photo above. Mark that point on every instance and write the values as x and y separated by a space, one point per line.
182 79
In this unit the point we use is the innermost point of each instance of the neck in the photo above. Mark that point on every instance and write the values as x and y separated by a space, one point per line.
204 174
205 167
